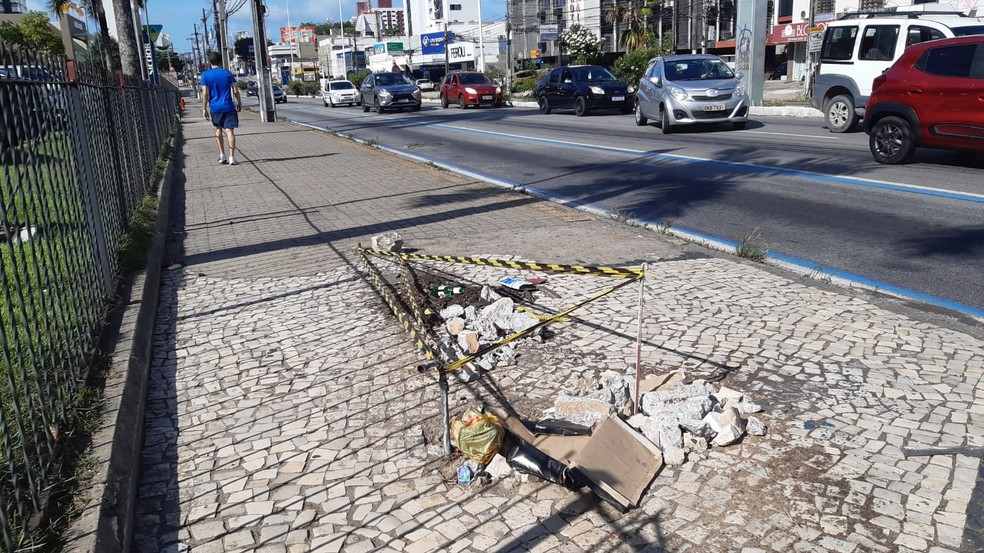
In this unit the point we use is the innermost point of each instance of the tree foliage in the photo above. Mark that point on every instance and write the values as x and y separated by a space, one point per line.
631 66
634 15
358 77
96 57
242 48
33 33
580 44
168 58
325 28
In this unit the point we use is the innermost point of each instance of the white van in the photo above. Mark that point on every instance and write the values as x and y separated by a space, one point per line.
860 46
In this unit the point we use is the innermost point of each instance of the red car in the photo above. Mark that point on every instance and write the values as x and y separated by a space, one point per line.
933 96
470 88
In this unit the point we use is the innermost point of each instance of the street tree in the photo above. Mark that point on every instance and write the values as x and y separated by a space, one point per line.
33 33
168 58
580 44
129 47
108 48
244 48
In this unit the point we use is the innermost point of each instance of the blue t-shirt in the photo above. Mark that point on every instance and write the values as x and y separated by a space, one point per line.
219 82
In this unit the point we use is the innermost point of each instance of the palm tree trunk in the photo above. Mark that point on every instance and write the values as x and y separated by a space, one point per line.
129 48
107 44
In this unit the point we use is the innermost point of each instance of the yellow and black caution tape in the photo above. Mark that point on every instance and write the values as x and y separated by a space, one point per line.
594 270
540 316
417 331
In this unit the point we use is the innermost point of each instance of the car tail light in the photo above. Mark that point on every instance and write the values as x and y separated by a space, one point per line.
879 80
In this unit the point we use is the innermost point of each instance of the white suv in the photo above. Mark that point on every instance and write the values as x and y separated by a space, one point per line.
861 46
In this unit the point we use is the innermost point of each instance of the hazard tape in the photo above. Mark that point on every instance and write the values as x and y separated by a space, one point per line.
539 316
418 333
593 270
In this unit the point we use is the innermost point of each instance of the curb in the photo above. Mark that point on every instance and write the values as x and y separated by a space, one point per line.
107 521
762 111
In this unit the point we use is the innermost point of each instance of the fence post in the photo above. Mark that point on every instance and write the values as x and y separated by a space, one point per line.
88 187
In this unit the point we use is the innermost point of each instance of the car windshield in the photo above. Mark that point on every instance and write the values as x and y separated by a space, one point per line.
474 78
697 70
592 74
391 79
967 31
277 89
344 85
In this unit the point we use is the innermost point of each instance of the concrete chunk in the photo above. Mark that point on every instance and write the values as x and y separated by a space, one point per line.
756 427
452 311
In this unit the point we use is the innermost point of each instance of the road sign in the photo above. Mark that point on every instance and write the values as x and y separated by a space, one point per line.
816 37
535 54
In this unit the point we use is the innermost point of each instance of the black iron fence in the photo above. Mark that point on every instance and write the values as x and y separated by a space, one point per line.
77 150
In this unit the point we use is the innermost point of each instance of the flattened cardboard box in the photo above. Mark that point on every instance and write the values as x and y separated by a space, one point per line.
614 458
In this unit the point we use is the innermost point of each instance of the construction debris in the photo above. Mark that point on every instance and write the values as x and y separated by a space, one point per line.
388 242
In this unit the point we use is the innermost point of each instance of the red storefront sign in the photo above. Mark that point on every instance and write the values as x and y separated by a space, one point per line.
790 32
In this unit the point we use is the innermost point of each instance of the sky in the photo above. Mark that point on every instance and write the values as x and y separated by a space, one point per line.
179 16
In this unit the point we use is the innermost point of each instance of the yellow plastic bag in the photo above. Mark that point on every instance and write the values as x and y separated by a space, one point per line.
478 435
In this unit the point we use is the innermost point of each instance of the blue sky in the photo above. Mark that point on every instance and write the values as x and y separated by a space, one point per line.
179 16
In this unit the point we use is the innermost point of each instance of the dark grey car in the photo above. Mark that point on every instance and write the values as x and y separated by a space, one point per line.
384 91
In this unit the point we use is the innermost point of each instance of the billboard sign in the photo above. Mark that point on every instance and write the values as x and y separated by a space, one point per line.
432 43
290 35
461 52
548 32
378 48
790 32
394 47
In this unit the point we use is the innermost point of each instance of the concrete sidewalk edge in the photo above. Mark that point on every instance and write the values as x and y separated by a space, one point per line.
106 524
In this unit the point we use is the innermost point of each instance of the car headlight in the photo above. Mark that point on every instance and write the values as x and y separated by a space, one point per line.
740 90
630 89
416 94
385 94
498 90
596 90
470 90
678 93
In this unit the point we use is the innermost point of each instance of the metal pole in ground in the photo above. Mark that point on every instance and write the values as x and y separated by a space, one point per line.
442 380
638 375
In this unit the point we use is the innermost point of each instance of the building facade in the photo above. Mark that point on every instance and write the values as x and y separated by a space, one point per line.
13 6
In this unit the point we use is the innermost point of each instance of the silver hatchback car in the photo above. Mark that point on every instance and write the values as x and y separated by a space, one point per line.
690 89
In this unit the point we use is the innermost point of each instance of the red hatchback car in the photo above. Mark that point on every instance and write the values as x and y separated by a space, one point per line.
470 88
933 96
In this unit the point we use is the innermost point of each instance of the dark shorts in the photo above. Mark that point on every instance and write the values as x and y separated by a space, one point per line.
225 120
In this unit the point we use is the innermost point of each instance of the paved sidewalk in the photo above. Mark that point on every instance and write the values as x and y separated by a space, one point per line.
285 414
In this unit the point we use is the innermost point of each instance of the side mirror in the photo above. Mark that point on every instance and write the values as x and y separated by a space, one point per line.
656 81
739 76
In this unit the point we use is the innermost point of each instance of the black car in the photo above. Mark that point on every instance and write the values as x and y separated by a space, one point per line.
779 72
389 91
584 88
252 89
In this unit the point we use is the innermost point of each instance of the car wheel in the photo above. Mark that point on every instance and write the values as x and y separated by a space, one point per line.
739 126
839 114
580 107
664 121
379 107
544 105
444 101
461 101
640 119
416 108
891 141
365 107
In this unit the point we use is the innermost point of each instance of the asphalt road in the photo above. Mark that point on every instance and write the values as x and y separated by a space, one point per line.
811 196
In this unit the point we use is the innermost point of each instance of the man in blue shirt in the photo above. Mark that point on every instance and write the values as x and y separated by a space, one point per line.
218 91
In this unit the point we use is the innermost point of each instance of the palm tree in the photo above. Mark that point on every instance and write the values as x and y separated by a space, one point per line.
635 15
129 48
94 7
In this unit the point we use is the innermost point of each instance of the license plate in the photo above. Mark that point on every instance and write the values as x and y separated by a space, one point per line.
487 97
713 107
618 98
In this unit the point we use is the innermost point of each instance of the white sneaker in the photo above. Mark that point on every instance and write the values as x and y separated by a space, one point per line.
232 161
222 160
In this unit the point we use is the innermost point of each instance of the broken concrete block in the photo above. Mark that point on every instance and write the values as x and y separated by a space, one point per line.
468 340
489 295
694 443
696 427
603 394
670 435
470 313
756 427
484 328
505 356
674 456
522 321
694 408
732 427
725 392
388 242
452 311
499 313
485 362
585 386
749 408
620 389
638 421
657 400
581 410
498 467
455 326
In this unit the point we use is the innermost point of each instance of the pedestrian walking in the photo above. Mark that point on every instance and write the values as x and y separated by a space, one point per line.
218 92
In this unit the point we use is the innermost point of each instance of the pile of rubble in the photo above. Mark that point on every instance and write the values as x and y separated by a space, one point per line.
467 329
678 418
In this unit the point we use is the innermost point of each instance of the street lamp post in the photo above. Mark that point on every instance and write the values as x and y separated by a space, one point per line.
447 62
292 40
481 40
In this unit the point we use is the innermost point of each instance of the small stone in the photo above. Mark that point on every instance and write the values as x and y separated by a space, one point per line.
732 427
499 313
489 295
498 467
749 408
452 311
470 313
725 392
468 340
696 427
694 443
484 328
522 321
674 456
619 388
670 435
455 326
756 427
638 421
505 356
388 242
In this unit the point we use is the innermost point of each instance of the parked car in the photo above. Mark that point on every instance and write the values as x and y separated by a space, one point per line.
862 45
779 72
690 89
340 92
383 91
584 88
469 88
279 95
424 84
252 89
931 97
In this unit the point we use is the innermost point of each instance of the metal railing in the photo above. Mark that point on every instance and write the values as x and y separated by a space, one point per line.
77 150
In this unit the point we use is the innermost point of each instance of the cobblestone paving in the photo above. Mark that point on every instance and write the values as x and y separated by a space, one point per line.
285 414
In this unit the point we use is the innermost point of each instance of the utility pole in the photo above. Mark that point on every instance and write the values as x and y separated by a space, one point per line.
447 62
509 58
268 112
198 52
208 47
481 40
224 37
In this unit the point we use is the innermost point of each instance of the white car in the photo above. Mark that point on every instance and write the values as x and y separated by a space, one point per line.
424 84
340 92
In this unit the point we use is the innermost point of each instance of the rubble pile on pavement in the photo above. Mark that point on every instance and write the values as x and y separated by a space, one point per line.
680 419
467 329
